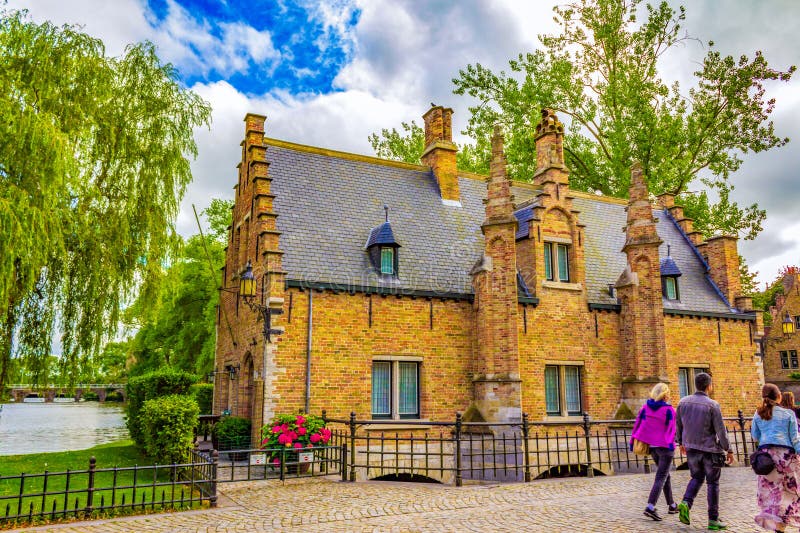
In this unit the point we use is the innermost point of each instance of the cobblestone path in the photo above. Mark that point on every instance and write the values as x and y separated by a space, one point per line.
603 504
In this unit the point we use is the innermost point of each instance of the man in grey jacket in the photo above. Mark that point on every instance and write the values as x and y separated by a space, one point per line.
703 438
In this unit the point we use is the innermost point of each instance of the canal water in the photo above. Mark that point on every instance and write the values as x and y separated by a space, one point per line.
56 427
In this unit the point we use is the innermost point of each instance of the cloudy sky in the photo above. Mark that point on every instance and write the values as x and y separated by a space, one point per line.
329 73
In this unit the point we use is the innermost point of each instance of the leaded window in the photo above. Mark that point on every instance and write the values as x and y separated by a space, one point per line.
562 390
395 389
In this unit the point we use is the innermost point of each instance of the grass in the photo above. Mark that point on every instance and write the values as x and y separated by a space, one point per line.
136 486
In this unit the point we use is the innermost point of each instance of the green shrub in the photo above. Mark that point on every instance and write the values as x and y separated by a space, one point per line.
90 396
146 387
204 395
114 396
167 425
232 432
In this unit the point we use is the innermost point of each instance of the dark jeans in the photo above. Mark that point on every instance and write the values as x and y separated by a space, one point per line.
704 466
662 458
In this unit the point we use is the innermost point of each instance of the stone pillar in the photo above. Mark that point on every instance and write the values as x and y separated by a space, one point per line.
440 152
496 384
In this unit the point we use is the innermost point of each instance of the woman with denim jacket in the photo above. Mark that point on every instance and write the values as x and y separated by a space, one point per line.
775 430
655 425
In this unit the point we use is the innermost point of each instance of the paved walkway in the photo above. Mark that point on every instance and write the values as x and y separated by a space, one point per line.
603 504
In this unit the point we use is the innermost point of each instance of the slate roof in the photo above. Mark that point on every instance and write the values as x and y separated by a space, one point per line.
381 235
668 267
327 205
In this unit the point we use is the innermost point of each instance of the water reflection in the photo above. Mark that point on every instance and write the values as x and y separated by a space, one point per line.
55 427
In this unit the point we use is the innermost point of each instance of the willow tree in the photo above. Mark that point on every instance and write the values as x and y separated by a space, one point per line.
93 163
600 73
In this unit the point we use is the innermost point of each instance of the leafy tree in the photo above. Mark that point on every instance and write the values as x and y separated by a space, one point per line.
601 75
93 164
218 215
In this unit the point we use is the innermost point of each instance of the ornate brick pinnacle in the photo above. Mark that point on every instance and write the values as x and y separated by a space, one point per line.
549 123
497 140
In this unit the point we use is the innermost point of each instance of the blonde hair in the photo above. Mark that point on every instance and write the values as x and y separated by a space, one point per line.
660 391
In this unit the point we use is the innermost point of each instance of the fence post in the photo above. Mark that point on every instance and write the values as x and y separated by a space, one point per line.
587 432
343 461
90 487
324 416
353 447
457 435
212 499
744 435
282 474
526 462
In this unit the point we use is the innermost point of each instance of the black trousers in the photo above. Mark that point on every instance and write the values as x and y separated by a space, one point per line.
662 458
704 466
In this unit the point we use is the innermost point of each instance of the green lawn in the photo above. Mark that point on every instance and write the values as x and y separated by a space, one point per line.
136 486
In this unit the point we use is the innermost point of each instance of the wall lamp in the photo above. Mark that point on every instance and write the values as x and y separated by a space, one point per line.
788 324
247 290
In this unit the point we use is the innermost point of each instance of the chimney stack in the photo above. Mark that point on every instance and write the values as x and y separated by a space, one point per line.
440 152
723 263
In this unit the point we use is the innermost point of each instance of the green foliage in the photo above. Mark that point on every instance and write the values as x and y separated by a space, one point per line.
600 74
90 396
167 424
406 147
114 396
294 432
149 386
624 412
218 214
176 327
94 161
233 432
203 394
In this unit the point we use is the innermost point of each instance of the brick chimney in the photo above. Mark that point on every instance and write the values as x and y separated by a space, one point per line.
496 385
440 152
723 263
643 345
550 167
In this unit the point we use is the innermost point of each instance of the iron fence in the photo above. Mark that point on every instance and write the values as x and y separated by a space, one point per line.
92 492
451 452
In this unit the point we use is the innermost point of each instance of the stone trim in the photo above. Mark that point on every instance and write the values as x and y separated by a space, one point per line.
562 285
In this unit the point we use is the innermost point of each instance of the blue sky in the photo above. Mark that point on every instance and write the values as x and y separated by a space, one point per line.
330 73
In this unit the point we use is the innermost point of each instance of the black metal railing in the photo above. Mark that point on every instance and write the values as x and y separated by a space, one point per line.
98 491
451 452
251 464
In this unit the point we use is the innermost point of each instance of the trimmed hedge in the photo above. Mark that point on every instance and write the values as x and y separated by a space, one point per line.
146 387
204 395
167 426
232 433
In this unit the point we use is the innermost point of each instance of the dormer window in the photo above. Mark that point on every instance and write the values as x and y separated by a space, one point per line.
669 277
382 248
387 261
556 262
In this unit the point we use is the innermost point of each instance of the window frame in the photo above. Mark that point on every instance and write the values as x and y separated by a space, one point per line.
394 389
553 253
665 283
392 252
561 384
784 356
793 359
686 370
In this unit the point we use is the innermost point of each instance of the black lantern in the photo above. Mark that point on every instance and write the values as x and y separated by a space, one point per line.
247 290
788 324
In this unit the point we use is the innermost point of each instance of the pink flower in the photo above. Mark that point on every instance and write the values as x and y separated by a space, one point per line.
301 431
284 438
292 435
276 461
315 438
326 438
277 429
309 445
263 442
300 420
298 445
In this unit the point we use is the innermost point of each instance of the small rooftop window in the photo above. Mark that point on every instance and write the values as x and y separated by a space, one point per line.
669 277
382 248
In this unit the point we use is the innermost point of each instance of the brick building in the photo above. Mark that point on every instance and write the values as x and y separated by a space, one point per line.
415 291
781 348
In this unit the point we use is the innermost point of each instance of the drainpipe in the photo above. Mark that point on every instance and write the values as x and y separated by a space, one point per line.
308 350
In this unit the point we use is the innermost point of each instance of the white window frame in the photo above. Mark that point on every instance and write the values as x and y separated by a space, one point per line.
551 252
562 390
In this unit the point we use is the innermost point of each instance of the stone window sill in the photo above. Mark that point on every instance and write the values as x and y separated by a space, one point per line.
562 286
570 418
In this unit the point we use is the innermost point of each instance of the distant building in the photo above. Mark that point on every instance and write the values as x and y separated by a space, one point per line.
781 347
415 291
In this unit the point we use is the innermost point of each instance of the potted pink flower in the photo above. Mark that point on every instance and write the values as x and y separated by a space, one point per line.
287 435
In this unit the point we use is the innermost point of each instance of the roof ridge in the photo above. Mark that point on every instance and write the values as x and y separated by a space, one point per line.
344 155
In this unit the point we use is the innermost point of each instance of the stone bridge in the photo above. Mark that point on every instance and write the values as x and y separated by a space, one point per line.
50 392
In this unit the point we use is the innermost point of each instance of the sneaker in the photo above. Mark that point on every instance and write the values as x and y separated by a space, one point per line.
683 513
652 513
716 525
673 509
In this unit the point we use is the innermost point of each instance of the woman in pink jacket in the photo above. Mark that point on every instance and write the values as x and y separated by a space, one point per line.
655 425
